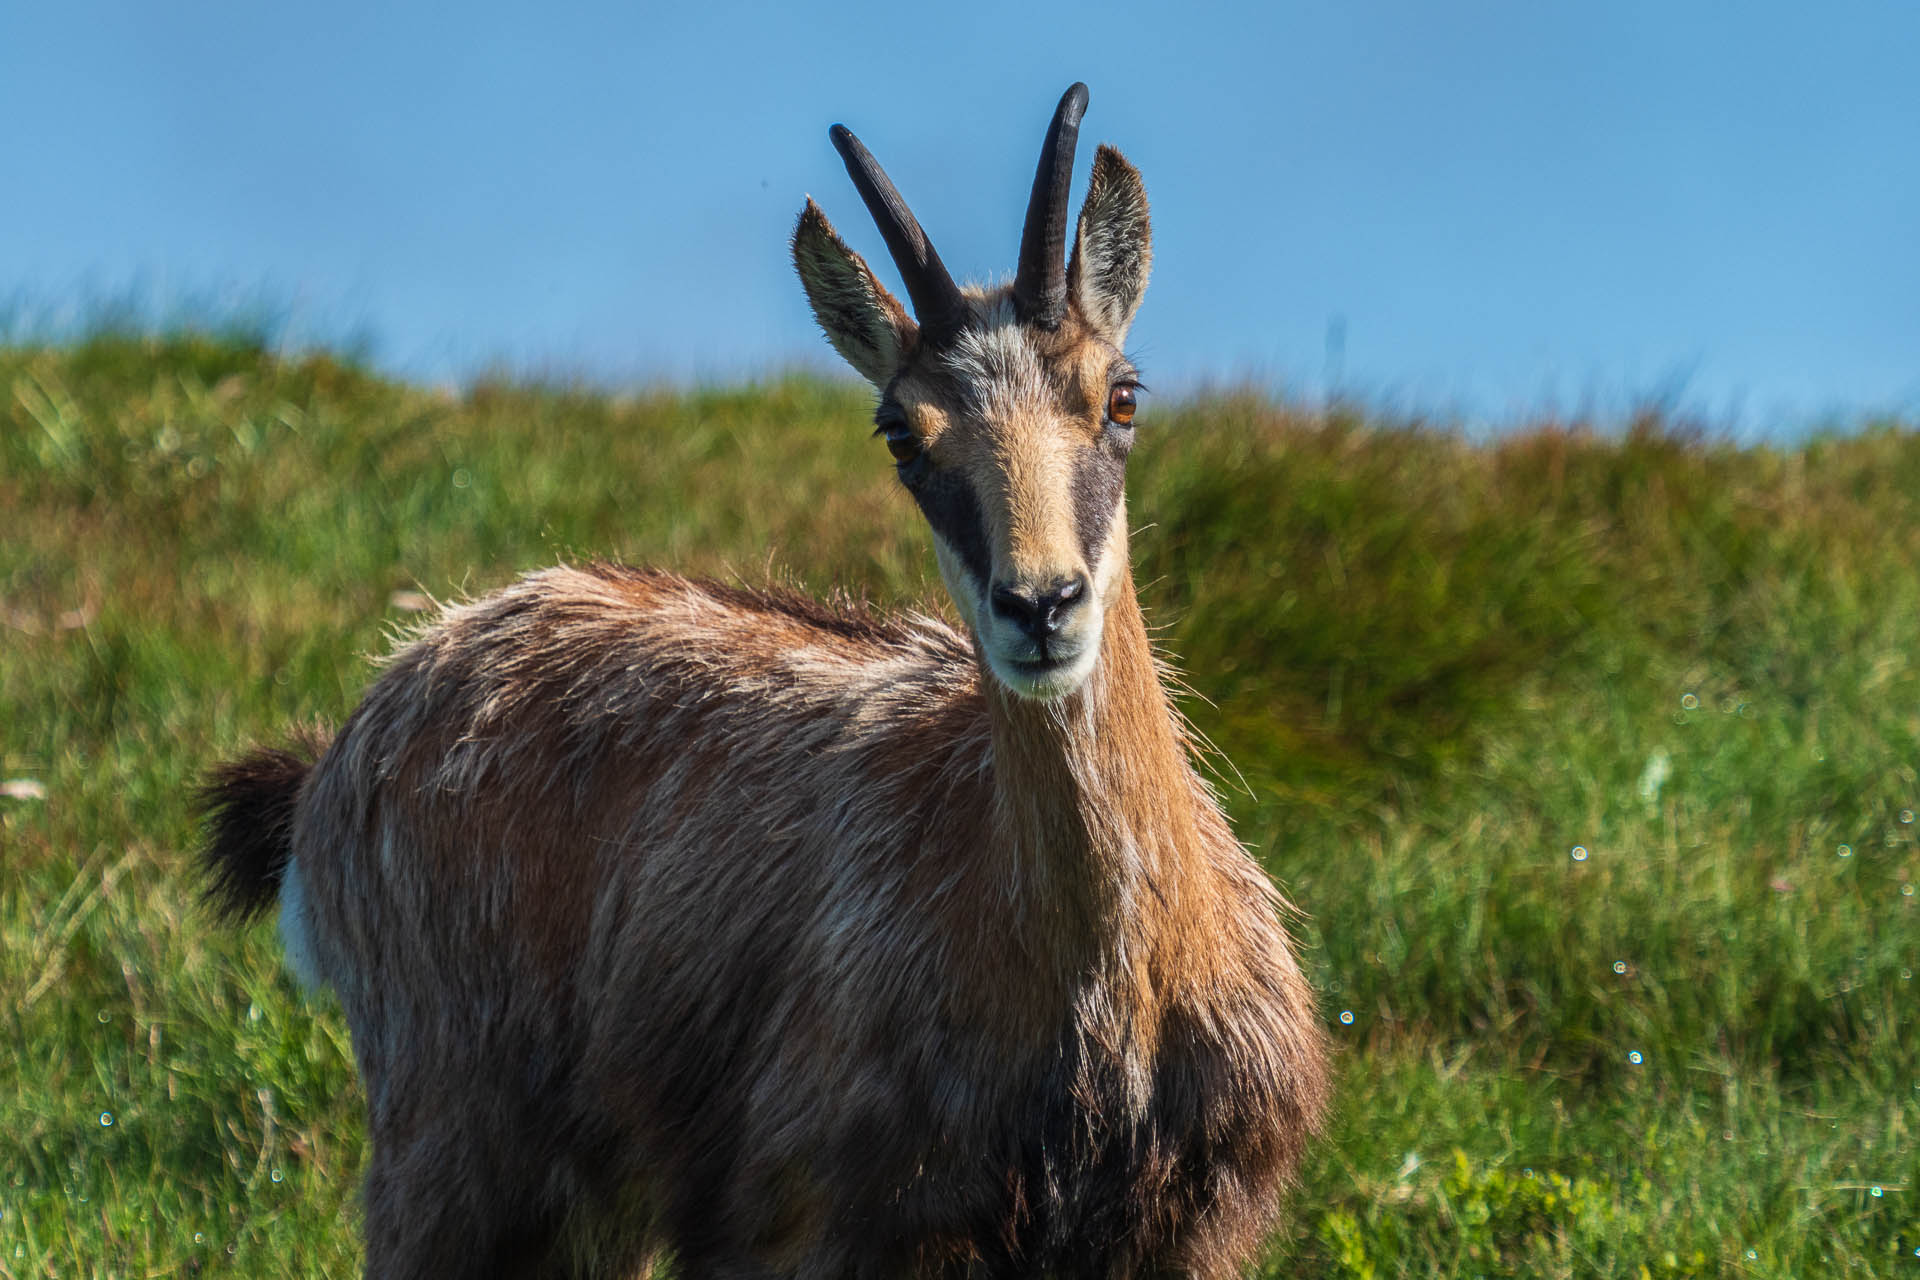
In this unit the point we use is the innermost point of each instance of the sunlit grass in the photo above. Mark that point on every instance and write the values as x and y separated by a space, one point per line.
1573 747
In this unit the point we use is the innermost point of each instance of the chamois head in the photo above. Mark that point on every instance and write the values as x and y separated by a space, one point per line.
1008 410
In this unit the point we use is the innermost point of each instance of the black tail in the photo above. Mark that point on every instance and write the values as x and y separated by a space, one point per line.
247 806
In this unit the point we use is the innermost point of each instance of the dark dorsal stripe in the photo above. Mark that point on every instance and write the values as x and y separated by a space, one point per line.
1040 284
937 303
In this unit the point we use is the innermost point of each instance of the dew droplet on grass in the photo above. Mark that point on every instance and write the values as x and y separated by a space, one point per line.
1619 966
1877 1193
1846 851
1688 701
1753 1255
1579 853
276 1175
1906 891
106 1119
1346 1017
103 1016
1633 1056
1906 815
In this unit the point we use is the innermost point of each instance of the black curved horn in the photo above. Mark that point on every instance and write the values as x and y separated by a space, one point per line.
1040 283
937 303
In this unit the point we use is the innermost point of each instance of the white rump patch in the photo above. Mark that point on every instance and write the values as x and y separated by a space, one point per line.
296 930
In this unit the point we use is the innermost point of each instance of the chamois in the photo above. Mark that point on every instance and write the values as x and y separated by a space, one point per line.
787 939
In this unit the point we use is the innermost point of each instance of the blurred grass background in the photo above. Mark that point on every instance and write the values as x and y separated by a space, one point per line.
1590 756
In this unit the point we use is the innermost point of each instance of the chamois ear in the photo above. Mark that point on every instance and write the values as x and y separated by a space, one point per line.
866 324
1113 248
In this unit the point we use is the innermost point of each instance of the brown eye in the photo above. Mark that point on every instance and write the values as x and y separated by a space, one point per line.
902 443
1121 402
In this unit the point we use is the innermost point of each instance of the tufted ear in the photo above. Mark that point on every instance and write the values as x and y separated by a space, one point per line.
866 324
1113 248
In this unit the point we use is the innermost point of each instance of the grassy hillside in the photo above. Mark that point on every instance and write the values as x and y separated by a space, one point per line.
1593 761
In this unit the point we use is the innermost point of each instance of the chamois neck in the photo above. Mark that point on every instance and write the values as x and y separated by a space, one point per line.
1095 788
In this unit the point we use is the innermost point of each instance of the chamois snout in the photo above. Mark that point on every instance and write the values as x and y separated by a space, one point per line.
1040 632
1039 614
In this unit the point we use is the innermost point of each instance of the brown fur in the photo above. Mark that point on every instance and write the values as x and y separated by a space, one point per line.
789 938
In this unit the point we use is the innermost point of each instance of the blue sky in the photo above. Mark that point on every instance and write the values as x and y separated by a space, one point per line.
1490 210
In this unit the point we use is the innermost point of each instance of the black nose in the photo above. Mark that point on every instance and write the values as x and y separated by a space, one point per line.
1039 615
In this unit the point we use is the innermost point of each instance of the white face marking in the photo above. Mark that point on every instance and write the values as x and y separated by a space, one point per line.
1065 671
996 362
960 583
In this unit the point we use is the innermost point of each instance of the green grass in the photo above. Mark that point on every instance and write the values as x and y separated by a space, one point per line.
1437 668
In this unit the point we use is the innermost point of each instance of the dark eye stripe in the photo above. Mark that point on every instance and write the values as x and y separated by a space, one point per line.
950 506
1099 474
